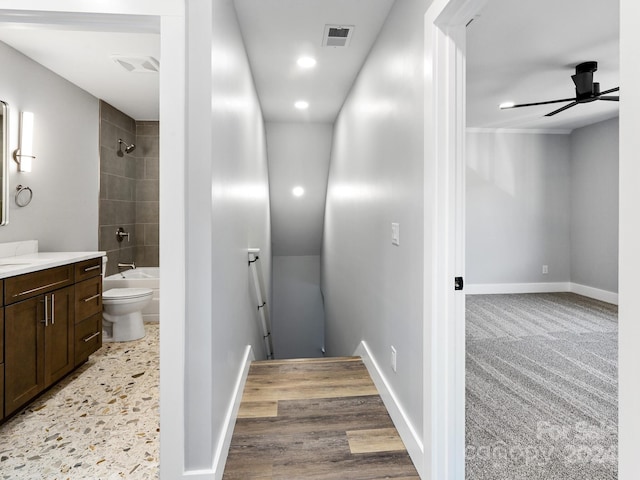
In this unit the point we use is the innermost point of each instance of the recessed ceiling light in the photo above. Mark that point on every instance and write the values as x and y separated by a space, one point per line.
297 191
504 105
306 62
301 105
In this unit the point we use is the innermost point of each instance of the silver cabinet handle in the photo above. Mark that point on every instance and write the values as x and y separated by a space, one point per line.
88 269
91 336
53 309
34 290
46 312
92 297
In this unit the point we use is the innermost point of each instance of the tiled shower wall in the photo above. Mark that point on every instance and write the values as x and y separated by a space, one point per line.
129 189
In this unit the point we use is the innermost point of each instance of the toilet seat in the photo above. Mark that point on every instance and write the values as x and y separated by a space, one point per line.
126 293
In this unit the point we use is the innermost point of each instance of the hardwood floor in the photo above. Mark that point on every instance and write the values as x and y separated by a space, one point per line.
314 419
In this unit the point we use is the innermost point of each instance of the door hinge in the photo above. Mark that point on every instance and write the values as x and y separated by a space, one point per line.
459 283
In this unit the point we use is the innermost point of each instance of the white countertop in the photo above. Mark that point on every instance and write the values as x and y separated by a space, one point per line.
32 262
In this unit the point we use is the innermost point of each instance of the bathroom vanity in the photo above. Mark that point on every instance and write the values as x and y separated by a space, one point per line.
50 320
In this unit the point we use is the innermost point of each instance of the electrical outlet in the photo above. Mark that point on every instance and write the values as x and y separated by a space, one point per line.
545 269
393 358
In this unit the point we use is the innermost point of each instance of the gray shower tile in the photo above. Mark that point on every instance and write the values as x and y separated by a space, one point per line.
147 128
151 168
112 115
107 215
147 212
152 234
125 213
149 147
147 191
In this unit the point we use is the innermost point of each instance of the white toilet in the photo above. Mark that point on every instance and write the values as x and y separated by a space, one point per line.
122 312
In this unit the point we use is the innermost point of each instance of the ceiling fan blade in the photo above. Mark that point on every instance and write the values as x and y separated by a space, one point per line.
610 91
611 99
562 109
537 103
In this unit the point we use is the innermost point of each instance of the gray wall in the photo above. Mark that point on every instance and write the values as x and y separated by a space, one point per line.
594 205
298 155
227 212
373 290
298 313
517 208
63 215
541 199
129 189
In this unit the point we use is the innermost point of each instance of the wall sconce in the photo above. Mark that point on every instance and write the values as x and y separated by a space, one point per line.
23 155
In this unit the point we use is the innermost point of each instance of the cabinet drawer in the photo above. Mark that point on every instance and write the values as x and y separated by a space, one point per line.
1 293
88 298
88 337
88 268
29 285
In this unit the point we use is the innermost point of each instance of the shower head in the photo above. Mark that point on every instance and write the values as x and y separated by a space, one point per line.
128 148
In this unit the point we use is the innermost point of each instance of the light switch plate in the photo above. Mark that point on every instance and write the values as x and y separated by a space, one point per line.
395 234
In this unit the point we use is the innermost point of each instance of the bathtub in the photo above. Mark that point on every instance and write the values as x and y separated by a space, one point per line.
142 277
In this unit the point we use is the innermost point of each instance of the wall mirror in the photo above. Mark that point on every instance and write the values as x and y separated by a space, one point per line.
4 166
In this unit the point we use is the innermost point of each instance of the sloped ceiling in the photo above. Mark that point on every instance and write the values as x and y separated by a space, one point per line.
79 48
277 32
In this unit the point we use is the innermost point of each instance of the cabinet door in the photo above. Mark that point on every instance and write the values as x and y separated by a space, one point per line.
24 352
2 363
58 335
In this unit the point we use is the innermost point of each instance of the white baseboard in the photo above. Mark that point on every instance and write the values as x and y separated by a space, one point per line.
598 294
222 451
407 432
507 288
504 288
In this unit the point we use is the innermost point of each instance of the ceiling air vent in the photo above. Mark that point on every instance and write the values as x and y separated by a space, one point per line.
337 35
137 64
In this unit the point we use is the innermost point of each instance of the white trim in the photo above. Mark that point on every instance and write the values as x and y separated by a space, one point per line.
220 458
591 292
444 319
222 451
537 131
509 288
506 288
172 250
400 419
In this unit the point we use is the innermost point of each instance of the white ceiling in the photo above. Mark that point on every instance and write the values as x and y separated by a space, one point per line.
79 48
518 51
527 51
277 32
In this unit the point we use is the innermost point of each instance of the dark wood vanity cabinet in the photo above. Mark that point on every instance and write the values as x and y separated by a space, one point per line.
40 344
38 333
1 350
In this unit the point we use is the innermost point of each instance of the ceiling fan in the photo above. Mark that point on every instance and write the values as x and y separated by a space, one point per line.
586 90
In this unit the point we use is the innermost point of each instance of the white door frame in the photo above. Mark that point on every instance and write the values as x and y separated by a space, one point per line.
444 308
172 185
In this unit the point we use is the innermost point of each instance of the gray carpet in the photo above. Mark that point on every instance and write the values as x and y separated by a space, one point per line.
541 388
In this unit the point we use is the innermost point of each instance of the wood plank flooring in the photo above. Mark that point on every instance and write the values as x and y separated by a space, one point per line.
314 419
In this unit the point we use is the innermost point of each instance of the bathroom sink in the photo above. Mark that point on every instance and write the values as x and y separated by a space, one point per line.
11 264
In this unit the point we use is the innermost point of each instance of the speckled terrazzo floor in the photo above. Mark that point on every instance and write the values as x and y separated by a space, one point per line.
100 423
